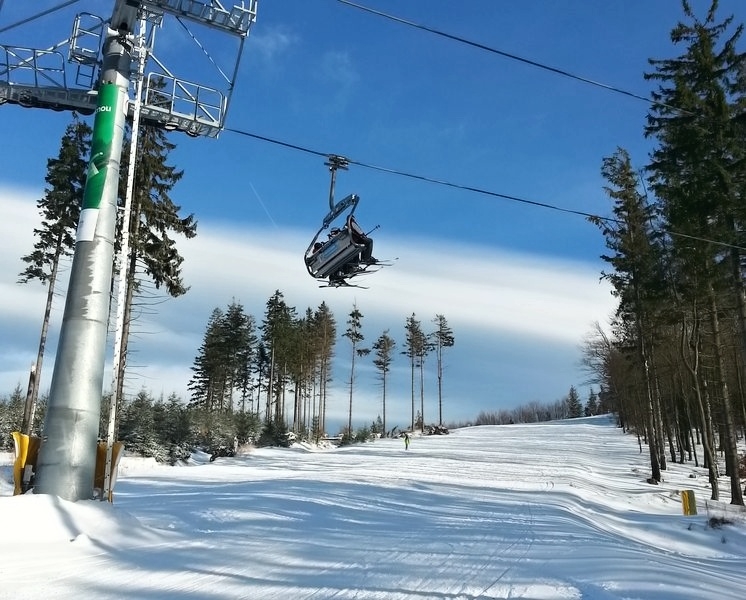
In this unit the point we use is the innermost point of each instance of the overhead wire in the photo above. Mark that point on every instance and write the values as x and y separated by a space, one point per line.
425 178
38 15
470 188
539 65
511 56
474 189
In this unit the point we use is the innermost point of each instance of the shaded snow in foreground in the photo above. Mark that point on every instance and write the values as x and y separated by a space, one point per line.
545 511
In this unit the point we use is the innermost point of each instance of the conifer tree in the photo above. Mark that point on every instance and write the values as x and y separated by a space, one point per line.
698 170
11 416
415 343
240 333
261 365
574 405
154 218
177 429
442 338
591 407
325 332
635 277
303 369
278 331
208 381
60 210
384 349
222 365
137 426
355 335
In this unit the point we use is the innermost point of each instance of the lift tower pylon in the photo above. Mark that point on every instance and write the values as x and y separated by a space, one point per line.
67 457
36 78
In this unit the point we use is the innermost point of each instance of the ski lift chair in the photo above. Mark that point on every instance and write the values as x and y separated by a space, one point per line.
340 255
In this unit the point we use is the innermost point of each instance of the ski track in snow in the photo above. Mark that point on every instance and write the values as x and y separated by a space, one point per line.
553 511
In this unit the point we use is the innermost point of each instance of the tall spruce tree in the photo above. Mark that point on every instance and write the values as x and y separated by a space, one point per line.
384 356
355 335
154 218
278 336
303 368
415 344
240 331
209 366
222 365
636 281
442 338
60 210
697 171
261 365
325 331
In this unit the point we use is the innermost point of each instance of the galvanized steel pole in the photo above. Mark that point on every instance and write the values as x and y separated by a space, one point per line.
67 458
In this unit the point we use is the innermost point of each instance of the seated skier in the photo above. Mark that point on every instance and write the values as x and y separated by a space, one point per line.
359 237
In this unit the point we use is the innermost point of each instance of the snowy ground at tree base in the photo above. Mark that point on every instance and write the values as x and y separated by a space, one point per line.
547 511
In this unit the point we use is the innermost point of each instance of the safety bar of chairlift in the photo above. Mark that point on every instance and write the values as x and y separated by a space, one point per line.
340 207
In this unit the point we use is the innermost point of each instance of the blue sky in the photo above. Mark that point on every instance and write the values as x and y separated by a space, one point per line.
519 284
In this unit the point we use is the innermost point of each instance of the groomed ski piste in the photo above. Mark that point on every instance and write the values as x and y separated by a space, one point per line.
558 510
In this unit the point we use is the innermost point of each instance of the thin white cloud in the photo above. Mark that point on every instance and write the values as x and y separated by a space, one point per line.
478 287
271 42
338 67
337 73
492 299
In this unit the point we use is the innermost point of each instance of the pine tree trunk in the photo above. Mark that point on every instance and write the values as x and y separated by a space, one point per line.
729 433
323 376
740 294
702 406
412 365
32 394
422 394
741 391
270 383
280 397
650 409
384 403
659 427
440 385
352 379
124 336
297 406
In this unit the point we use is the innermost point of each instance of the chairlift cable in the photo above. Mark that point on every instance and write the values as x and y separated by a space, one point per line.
424 178
38 16
477 190
515 57
278 142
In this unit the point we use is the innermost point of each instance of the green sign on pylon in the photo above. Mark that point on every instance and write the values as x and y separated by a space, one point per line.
101 149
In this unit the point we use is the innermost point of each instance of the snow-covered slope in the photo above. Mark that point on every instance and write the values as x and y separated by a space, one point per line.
547 511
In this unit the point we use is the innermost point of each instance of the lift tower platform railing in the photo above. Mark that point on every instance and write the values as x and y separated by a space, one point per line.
103 54
38 78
